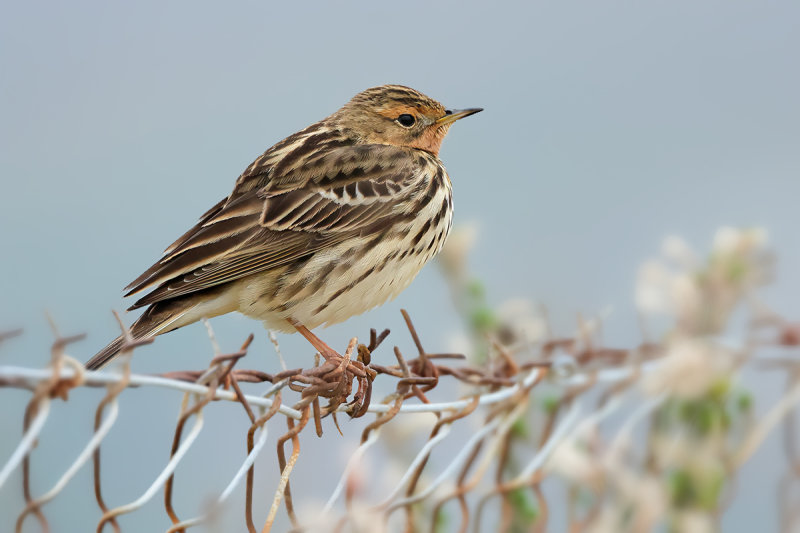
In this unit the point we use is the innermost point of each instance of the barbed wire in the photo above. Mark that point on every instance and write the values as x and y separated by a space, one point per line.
65 374
531 412
413 379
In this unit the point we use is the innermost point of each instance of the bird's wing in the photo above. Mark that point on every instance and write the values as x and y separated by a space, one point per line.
343 192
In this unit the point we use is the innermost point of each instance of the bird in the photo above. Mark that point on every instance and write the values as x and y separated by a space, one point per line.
328 223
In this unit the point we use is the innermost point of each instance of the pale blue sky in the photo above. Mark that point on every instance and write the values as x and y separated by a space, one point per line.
608 125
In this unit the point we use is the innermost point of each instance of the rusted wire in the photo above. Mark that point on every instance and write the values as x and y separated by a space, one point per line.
284 490
345 384
10 334
53 387
251 471
114 390
412 485
219 368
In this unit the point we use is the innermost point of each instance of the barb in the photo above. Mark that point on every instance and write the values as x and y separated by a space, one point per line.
5 335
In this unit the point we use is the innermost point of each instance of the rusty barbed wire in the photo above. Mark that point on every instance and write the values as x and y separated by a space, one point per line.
413 379
524 412
333 382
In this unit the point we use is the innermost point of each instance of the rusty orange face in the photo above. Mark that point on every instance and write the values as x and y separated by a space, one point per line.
399 116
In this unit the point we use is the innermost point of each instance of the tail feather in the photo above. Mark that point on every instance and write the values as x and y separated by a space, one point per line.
169 315
105 355
158 319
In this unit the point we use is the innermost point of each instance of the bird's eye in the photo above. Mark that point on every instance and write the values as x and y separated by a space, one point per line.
406 120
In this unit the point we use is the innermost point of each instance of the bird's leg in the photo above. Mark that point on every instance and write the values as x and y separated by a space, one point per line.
339 378
324 350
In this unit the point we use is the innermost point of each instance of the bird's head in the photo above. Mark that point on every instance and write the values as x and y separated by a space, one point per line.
398 116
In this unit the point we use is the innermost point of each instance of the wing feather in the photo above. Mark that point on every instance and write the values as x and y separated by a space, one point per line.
344 191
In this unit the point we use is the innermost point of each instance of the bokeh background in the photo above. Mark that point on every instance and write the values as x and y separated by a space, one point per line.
608 125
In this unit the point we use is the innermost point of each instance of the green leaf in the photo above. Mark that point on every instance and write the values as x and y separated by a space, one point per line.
550 403
524 507
744 401
520 428
483 319
476 290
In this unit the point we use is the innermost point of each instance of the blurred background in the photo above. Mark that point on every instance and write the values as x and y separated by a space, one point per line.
607 127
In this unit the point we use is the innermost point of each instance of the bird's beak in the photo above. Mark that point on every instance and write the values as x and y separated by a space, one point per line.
455 114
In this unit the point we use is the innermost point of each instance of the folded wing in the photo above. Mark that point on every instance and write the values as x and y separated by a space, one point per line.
338 193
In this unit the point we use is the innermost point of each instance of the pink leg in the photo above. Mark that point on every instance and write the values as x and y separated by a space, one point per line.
325 351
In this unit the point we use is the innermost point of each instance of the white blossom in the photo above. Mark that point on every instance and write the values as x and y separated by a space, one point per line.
453 257
519 319
689 368
678 250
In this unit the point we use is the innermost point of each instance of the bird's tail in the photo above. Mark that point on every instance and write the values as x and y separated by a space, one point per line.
105 355
157 319
169 315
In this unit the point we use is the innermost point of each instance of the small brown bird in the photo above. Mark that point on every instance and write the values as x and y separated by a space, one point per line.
328 223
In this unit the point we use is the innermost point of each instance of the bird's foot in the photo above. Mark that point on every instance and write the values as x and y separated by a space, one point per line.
338 372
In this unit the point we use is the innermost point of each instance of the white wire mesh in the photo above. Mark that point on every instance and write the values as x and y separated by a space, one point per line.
641 437
64 370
